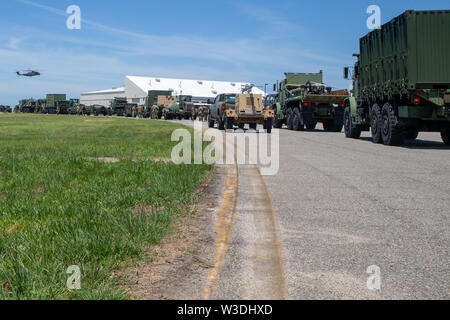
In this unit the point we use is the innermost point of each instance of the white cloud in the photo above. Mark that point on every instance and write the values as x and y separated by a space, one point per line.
14 42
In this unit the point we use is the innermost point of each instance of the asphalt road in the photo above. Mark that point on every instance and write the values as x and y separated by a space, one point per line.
341 205
344 205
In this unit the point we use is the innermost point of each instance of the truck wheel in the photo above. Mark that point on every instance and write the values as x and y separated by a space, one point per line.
445 134
376 124
412 134
338 120
253 126
229 123
221 125
289 119
268 125
297 122
351 131
242 126
211 123
277 123
392 132
311 126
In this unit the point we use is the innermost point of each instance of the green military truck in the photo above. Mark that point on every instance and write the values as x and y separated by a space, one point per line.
173 111
152 99
96 110
401 81
57 104
187 107
6 109
30 106
303 101
73 104
121 108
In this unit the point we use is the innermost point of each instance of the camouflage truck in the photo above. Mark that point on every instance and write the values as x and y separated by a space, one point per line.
6 109
401 80
56 104
121 108
30 106
152 99
231 110
303 101
186 107
73 105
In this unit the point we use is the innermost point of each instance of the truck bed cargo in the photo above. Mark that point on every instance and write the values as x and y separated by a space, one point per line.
401 80
410 52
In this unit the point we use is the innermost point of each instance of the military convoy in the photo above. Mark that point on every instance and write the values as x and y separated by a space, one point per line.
401 80
401 86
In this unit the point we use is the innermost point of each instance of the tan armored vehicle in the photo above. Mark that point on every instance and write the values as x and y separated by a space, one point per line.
231 110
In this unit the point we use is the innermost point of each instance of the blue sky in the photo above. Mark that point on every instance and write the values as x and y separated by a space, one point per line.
254 41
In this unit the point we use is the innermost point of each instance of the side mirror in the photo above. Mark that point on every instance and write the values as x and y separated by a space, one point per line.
346 73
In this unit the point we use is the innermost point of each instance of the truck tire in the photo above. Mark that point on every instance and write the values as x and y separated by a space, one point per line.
338 120
242 126
445 134
253 126
312 125
376 123
351 131
411 134
221 125
289 118
211 122
297 122
277 123
327 126
229 123
268 124
392 132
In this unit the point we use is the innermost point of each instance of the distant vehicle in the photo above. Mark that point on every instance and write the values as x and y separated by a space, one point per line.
5 109
229 110
303 101
120 107
401 80
28 73
152 99
186 106
56 104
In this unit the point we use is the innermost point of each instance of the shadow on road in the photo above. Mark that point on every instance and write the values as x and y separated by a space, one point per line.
419 144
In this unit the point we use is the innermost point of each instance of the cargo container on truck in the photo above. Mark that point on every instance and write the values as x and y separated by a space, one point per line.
401 81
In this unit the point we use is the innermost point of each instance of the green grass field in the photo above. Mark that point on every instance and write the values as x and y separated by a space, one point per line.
58 207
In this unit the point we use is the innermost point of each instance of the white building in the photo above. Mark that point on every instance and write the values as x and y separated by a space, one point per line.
103 97
136 89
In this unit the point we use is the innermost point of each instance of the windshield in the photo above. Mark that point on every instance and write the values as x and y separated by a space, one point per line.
230 99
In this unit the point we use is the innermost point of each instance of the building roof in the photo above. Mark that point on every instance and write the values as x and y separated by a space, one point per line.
113 90
196 88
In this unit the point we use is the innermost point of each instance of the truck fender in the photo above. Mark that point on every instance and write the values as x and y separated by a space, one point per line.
351 101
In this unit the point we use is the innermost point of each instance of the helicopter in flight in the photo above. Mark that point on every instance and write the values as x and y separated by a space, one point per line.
28 73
